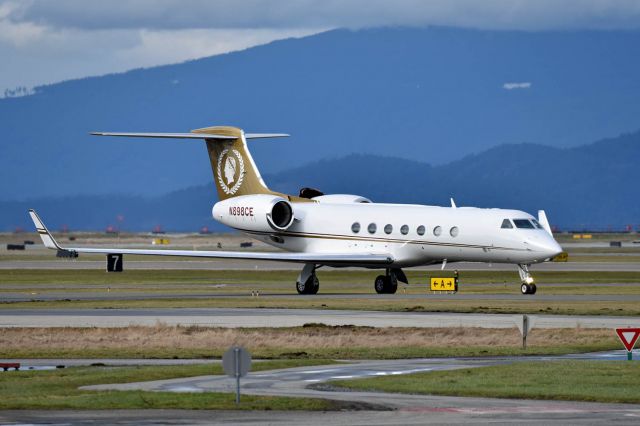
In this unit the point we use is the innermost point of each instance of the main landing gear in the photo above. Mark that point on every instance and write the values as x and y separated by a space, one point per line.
386 284
307 282
528 286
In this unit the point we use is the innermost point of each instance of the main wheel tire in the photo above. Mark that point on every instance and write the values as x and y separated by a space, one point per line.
524 288
533 289
380 284
315 284
392 284
310 286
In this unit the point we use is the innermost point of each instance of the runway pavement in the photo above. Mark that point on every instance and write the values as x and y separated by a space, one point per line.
441 413
237 264
415 409
118 294
256 318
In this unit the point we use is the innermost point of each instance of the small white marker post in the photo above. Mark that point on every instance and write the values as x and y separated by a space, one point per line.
524 326
236 362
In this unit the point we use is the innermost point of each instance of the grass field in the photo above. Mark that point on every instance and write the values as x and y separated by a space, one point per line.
313 341
58 389
352 281
178 285
602 381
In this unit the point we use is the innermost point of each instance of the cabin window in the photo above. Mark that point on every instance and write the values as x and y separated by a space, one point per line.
404 229
523 224
355 228
388 229
506 224
454 231
536 224
372 228
437 231
420 230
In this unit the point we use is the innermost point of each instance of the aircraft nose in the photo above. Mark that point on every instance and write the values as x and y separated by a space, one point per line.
550 247
546 247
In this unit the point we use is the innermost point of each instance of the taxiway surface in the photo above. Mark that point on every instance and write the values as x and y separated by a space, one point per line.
238 264
118 294
246 317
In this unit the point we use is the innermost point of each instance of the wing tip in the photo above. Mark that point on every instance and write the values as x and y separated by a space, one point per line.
46 237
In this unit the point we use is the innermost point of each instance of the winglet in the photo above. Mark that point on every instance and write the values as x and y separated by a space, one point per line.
542 218
453 204
47 238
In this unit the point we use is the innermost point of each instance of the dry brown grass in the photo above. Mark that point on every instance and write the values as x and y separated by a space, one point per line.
312 337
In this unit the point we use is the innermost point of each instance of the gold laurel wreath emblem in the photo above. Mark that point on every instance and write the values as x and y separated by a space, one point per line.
223 185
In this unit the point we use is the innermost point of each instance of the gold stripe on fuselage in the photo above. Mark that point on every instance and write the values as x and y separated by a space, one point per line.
375 239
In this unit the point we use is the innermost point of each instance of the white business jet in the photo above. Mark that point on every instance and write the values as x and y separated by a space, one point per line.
340 230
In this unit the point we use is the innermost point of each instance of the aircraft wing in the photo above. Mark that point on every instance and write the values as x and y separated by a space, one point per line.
321 258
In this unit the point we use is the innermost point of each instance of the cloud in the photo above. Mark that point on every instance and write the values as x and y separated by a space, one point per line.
49 41
251 14
511 86
43 54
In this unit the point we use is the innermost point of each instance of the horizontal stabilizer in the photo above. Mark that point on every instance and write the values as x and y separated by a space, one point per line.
190 135
265 135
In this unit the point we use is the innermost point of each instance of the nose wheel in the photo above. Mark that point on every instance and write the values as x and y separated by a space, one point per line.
528 286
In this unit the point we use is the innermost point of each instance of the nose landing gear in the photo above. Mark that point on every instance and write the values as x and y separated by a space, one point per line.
528 286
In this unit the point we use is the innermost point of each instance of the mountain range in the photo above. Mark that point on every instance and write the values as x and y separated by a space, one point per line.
370 103
589 186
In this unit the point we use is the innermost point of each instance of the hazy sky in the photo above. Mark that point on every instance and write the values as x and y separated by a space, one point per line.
45 41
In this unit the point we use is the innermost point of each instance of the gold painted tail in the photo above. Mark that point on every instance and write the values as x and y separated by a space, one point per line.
234 171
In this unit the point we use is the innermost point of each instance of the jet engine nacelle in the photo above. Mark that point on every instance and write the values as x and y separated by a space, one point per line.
259 212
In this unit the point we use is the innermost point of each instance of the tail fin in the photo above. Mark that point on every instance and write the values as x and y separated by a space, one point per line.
234 171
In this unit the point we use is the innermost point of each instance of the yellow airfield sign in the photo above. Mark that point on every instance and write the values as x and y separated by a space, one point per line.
562 257
443 284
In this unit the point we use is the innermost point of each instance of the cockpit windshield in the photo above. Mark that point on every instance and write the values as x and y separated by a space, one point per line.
506 224
523 224
536 224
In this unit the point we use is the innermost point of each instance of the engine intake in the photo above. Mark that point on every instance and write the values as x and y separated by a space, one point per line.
259 212
281 215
